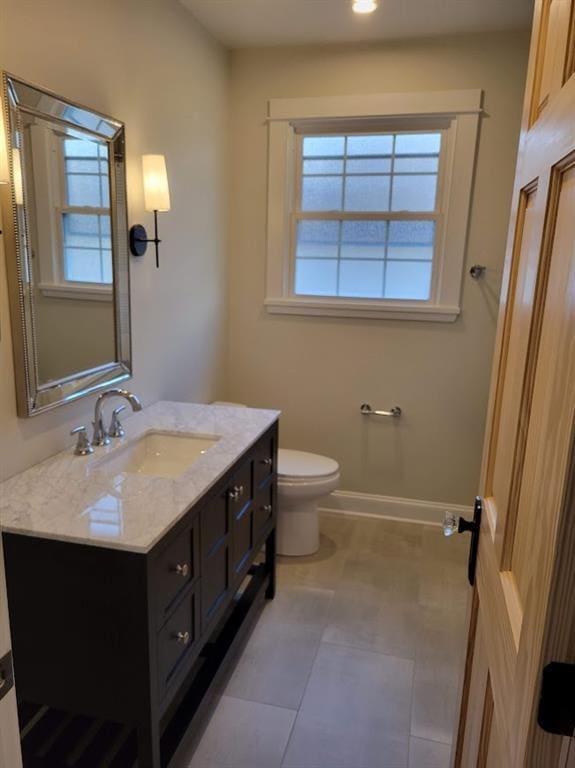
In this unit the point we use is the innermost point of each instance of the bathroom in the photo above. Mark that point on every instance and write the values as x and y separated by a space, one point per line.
372 630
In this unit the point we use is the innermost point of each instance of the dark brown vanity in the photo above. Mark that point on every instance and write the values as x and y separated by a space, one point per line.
118 654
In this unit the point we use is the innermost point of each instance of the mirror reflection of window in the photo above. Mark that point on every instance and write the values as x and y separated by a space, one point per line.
86 235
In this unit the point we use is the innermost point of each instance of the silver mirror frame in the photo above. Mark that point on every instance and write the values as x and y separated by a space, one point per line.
32 397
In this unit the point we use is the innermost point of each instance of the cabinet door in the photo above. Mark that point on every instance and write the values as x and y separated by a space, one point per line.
264 460
264 510
240 498
216 556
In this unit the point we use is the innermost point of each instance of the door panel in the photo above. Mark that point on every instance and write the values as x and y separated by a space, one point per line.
555 52
526 549
506 433
526 539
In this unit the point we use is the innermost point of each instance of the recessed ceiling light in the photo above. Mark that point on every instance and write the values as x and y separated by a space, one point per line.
364 6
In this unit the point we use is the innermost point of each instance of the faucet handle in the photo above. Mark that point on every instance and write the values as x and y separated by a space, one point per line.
83 445
116 428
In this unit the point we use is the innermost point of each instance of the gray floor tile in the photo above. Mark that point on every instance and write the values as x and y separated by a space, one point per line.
366 619
276 663
355 712
428 754
244 734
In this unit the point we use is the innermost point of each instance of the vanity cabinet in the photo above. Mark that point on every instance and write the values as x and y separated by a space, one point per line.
117 653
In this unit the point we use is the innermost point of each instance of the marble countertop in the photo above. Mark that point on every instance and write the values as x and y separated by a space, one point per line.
72 498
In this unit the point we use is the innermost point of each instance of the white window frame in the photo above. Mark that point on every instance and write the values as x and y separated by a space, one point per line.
455 113
50 185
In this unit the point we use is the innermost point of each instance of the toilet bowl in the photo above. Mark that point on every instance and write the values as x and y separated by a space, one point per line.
303 479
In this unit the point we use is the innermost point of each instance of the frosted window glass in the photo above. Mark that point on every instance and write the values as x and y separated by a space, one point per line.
81 231
414 193
417 143
104 192
361 279
323 146
370 145
416 164
419 252
87 237
363 239
420 232
369 165
323 166
317 239
83 265
367 193
316 277
83 165
321 193
84 191
408 280
84 148
107 272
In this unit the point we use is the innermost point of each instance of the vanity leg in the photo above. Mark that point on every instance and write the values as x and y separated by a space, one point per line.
271 565
148 747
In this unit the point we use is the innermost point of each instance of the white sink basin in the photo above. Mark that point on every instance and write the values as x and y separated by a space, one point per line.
160 454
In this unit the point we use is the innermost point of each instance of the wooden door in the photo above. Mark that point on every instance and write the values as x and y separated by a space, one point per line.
10 756
524 601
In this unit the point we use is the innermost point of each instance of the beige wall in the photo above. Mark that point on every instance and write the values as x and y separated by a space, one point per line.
72 335
150 65
319 371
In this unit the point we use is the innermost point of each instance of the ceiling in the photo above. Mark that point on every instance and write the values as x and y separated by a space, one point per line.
252 23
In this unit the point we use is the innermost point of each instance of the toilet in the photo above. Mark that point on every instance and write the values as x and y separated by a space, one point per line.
303 479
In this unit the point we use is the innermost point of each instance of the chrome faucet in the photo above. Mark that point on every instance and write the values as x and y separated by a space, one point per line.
101 436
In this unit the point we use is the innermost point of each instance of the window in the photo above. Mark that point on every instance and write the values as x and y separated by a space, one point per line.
73 244
367 215
86 236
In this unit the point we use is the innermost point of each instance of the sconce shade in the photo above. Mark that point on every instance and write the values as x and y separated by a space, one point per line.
4 173
17 177
156 190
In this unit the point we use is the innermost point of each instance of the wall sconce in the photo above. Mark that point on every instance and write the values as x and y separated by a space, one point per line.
156 198
17 177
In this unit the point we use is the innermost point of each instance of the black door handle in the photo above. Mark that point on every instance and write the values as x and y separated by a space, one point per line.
452 525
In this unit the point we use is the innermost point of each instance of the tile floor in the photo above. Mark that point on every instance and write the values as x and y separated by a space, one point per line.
358 660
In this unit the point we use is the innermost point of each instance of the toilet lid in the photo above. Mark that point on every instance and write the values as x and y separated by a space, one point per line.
303 464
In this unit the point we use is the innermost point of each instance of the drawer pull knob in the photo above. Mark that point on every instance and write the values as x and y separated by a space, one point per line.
267 462
182 637
267 508
182 570
235 493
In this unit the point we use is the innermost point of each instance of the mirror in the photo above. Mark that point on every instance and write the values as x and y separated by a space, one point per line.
66 247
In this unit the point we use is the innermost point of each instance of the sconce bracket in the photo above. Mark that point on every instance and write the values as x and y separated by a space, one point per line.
138 240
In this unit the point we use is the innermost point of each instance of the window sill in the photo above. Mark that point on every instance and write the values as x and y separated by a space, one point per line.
366 309
86 292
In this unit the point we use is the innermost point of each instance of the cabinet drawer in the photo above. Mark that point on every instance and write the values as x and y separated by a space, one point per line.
264 506
175 567
264 460
178 637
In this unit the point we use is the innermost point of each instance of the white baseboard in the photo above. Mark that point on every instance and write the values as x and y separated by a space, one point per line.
390 507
